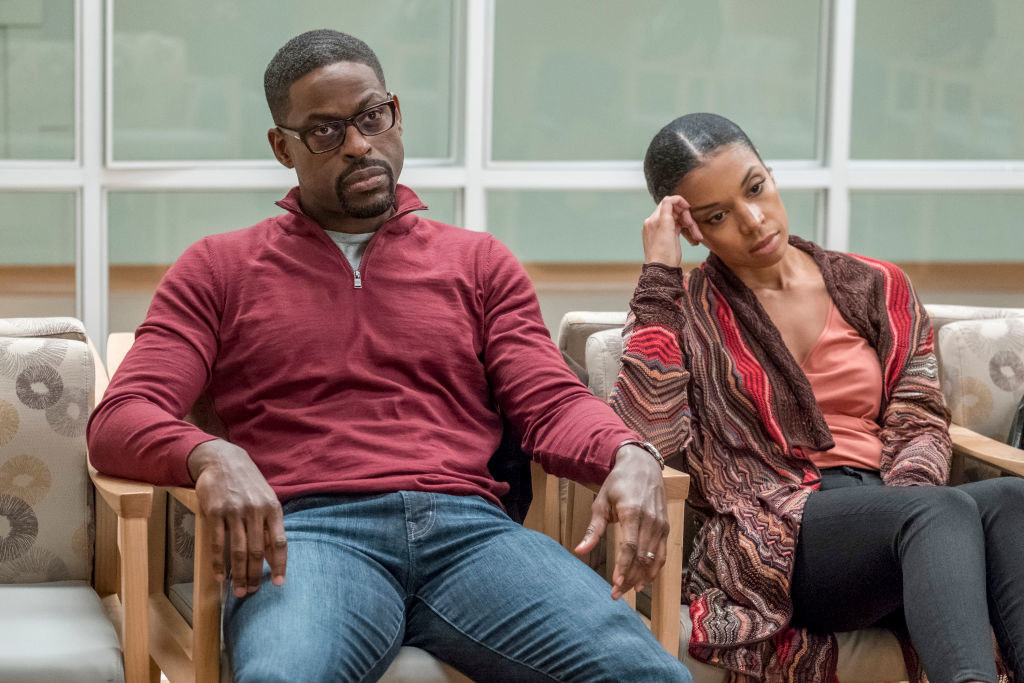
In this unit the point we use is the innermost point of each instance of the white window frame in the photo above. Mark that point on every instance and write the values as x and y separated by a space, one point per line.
470 171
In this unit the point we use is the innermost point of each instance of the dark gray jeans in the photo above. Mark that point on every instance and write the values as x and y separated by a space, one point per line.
951 557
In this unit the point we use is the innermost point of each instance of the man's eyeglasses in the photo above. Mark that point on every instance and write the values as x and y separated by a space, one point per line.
323 137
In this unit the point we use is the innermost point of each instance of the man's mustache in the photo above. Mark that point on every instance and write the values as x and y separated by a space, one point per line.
365 164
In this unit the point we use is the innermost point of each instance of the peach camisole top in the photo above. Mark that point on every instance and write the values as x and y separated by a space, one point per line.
846 378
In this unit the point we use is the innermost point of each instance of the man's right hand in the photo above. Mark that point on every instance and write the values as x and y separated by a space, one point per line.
239 504
663 228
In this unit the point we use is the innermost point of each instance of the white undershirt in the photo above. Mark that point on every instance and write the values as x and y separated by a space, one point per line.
352 245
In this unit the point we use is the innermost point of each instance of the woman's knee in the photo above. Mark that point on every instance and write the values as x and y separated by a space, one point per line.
945 507
1000 496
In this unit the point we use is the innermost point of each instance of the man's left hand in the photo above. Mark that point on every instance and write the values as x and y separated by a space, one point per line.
633 496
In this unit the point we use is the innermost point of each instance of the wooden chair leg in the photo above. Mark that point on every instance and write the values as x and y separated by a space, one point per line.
132 533
666 592
206 605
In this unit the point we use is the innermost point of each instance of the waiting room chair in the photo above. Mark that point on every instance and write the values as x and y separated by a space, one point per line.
72 607
981 366
185 598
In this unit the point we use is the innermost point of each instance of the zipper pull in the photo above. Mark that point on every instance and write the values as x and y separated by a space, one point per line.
358 283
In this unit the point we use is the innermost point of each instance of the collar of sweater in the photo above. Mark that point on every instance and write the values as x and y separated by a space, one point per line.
403 220
852 285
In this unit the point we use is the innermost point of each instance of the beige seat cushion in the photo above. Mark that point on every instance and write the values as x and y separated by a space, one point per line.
870 655
413 665
56 632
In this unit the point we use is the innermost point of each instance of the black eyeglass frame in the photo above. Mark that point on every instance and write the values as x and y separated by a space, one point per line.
350 121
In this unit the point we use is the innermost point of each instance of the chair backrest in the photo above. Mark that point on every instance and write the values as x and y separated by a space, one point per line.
942 314
574 330
981 366
46 499
980 351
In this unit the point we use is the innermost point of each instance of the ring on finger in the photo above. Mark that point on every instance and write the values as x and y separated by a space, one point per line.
648 556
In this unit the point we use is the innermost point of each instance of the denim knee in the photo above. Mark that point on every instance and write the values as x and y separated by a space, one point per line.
647 660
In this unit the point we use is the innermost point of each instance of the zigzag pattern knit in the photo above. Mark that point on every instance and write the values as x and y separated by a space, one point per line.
707 378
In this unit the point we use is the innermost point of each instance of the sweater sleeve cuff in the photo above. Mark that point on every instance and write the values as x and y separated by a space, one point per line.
187 445
627 436
654 300
609 450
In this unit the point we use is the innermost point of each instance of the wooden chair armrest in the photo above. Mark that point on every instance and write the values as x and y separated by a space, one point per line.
127 498
122 565
676 483
186 496
989 451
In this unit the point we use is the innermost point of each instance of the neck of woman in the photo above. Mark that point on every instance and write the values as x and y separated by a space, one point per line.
790 271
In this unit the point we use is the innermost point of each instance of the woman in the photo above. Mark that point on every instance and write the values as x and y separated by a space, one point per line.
798 387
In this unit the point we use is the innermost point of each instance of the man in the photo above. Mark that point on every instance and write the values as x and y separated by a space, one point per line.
358 356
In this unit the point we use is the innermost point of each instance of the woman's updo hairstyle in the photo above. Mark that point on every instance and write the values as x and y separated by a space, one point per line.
682 146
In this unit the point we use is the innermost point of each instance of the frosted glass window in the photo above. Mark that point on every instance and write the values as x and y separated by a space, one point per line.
188 75
548 226
37 79
938 226
938 79
581 80
37 254
149 230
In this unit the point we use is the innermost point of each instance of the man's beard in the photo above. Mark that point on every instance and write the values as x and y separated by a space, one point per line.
375 204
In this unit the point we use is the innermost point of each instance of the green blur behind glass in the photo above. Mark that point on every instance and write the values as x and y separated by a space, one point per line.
549 226
188 75
578 80
37 79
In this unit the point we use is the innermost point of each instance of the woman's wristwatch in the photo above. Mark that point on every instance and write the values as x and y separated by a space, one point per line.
647 446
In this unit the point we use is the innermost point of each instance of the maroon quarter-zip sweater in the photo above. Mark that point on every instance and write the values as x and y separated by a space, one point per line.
333 381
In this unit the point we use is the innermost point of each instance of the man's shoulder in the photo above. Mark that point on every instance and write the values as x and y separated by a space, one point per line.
233 245
245 237
451 239
452 231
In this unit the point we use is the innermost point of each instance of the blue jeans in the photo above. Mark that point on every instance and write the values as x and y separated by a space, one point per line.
451 575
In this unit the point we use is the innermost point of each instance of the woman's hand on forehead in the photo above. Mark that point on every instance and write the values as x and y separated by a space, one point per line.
681 211
663 229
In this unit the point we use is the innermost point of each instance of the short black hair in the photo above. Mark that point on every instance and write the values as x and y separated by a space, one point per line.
682 146
307 52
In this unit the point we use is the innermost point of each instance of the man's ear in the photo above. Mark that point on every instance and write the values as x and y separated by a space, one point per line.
279 144
398 113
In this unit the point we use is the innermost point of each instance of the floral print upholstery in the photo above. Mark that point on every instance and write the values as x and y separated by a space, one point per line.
46 387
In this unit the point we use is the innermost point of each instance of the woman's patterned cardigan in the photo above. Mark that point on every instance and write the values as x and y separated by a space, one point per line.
707 378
